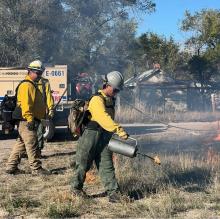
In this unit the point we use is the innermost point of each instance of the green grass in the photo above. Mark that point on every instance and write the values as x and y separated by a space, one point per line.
61 211
13 204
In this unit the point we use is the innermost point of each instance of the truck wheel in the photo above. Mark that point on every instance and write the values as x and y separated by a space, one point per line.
49 130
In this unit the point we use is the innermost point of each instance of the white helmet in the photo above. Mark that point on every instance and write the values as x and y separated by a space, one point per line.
36 65
115 79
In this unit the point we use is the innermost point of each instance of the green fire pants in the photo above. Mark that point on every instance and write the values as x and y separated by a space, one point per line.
92 146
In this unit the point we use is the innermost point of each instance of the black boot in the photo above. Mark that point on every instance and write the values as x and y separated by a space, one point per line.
40 172
24 155
39 156
79 192
115 197
14 171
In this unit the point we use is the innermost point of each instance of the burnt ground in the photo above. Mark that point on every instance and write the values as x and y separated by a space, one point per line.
191 138
194 138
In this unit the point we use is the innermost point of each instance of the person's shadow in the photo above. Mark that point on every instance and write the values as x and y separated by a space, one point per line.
59 154
62 134
12 135
193 180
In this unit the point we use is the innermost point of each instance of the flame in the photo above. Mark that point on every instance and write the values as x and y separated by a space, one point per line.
157 160
217 138
91 176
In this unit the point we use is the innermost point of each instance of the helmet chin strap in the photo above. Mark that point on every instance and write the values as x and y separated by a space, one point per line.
105 82
106 79
37 79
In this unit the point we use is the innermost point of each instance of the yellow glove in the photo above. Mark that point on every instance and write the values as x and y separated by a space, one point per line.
122 133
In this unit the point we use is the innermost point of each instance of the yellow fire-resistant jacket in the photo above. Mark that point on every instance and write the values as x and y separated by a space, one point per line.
30 99
44 87
98 112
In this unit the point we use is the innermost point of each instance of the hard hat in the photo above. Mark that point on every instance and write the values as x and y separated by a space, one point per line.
115 79
36 65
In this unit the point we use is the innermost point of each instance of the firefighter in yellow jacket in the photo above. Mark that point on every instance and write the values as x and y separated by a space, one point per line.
92 145
30 109
45 89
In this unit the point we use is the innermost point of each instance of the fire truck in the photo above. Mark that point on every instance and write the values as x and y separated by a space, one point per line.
61 91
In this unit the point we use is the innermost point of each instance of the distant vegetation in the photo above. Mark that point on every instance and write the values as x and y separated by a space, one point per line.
127 114
98 36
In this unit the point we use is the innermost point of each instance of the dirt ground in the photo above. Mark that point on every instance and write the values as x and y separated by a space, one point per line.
156 139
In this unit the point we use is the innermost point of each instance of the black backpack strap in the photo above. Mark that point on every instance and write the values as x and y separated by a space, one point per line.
97 94
44 90
92 124
16 90
100 95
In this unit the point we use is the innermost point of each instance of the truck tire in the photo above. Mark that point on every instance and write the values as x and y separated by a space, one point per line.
49 130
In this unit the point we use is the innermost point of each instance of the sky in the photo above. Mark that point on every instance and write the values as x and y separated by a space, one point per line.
166 20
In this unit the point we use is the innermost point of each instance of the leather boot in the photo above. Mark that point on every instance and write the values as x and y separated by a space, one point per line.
39 156
40 172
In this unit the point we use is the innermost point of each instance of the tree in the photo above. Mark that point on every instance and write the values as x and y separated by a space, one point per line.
150 48
92 36
28 30
204 27
202 69
97 31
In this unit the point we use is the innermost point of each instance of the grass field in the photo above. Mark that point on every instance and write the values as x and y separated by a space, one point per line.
184 186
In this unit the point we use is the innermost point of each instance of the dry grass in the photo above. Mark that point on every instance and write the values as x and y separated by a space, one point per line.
128 114
186 185
183 186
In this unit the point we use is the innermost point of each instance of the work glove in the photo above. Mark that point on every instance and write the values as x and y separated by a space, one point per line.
31 126
122 133
51 114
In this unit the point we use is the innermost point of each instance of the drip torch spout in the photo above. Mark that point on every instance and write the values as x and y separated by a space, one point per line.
155 159
123 148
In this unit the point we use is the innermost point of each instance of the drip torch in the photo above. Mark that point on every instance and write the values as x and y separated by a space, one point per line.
129 150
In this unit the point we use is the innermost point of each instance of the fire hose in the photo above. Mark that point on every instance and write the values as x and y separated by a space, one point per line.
129 150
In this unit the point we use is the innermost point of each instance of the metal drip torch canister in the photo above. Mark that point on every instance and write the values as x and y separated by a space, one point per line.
123 148
129 150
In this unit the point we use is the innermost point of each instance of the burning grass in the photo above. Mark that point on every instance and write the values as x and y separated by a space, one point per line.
183 185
